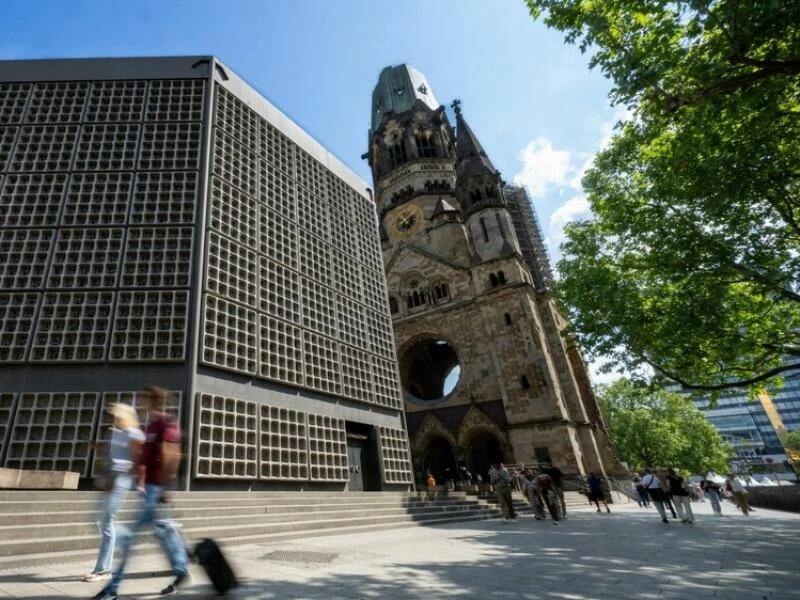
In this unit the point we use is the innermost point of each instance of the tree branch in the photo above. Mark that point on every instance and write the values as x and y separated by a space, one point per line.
723 386
733 83
763 279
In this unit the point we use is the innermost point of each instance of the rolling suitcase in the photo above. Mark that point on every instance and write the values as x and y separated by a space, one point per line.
217 568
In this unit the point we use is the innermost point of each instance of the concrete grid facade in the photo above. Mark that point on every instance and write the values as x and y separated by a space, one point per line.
161 222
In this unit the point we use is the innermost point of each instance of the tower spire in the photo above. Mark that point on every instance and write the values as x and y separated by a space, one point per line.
469 151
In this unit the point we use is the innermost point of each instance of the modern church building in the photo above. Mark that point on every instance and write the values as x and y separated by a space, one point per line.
162 223
486 373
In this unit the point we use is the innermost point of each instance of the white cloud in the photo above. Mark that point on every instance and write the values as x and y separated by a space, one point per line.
576 208
543 167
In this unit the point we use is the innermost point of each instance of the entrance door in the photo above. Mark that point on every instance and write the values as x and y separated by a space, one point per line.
355 461
485 450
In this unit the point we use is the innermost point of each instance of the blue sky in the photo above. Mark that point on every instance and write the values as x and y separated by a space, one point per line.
538 111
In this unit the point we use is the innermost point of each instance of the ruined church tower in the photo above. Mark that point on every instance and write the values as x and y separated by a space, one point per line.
486 374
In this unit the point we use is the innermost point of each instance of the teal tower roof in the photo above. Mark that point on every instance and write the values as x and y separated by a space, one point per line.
397 90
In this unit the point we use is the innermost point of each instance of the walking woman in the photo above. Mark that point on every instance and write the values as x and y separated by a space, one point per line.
652 484
711 490
739 494
125 450
678 490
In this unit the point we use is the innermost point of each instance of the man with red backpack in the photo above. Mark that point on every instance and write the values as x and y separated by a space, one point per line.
157 469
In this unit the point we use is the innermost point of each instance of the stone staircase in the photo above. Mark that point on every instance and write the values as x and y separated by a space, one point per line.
54 527
573 500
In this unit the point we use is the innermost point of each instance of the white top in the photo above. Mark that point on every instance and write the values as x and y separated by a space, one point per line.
120 448
651 482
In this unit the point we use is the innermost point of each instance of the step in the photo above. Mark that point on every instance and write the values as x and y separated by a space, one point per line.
144 547
181 501
83 524
223 531
130 509
31 495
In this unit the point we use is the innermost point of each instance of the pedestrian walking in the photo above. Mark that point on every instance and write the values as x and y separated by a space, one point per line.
557 477
712 492
665 489
652 484
678 489
160 460
596 493
500 478
739 494
642 499
124 451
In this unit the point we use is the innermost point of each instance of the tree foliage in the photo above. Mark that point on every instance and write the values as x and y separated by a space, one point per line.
691 262
661 428
792 441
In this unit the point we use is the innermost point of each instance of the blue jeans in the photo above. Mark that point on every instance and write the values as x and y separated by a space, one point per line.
111 503
168 536
714 499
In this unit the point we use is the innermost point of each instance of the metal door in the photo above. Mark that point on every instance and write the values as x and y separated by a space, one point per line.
355 464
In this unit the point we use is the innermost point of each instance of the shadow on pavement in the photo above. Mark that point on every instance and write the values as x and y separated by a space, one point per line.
623 555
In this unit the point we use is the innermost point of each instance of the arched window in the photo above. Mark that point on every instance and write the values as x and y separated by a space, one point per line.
491 191
441 292
475 196
393 305
416 298
493 280
508 318
397 153
426 147
523 382
485 231
501 277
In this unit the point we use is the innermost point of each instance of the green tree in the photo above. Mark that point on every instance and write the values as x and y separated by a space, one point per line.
661 428
792 441
691 263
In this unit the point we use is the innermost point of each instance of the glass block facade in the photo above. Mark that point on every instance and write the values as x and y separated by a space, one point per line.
162 223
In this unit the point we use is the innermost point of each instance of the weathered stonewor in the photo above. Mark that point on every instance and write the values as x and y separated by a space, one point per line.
469 291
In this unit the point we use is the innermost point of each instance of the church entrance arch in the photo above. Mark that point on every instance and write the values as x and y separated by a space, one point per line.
484 449
438 459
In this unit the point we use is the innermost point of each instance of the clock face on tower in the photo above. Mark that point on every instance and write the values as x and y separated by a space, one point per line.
407 220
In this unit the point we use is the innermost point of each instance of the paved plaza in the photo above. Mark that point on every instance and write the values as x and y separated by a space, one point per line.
626 554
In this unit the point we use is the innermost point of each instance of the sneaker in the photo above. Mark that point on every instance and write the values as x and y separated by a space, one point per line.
97 576
598 510
665 520
555 523
172 588
608 510
105 594
684 520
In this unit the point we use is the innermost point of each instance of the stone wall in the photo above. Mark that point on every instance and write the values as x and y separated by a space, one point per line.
784 497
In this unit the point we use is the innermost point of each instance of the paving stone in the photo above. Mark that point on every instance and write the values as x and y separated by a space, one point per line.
628 554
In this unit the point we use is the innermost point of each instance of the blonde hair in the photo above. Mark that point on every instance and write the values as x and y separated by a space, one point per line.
124 416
